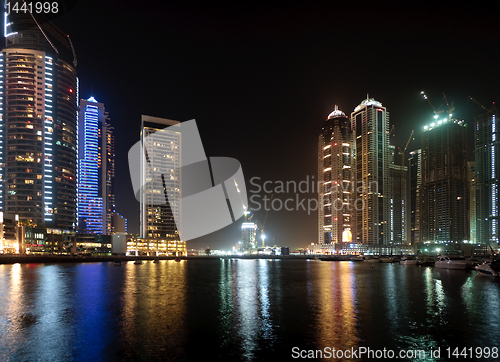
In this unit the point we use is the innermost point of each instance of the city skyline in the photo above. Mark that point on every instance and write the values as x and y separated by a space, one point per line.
203 91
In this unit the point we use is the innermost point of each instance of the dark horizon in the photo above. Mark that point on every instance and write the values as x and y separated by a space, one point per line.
261 79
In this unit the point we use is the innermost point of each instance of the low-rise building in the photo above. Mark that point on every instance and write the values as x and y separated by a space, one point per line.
155 246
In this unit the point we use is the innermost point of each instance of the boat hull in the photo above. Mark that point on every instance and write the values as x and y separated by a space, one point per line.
448 265
485 269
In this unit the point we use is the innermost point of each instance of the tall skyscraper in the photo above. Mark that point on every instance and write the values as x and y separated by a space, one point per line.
444 212
370 122
415 181
397 199
38 110
471 169
487 165
336 178
163 152
96 202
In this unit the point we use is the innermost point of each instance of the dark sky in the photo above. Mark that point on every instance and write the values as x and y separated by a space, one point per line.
260 79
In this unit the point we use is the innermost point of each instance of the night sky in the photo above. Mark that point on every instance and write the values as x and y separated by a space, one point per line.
261 78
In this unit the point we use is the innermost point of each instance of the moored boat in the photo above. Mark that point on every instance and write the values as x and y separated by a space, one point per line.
117 262
486 269
408 260
356 258
386 260
452 262
329 258
371 260
138 261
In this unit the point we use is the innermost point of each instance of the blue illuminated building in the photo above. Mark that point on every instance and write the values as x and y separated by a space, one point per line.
95 169
487 162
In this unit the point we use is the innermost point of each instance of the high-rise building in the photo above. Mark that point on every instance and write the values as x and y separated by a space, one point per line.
248 233
397 199
415 181
162 150
471 170
370 122
487 163
96 202
444 212
38 121
336 179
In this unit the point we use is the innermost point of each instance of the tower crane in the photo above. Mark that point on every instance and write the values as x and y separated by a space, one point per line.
403 151
479 104
451 107
436 111
261 226
493 106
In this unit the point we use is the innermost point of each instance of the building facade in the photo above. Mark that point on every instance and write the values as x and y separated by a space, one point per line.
162 152
370 122
471 170
444 212
487 164
119 223
415 181
248 235
397 199
38 120
336 197
96 202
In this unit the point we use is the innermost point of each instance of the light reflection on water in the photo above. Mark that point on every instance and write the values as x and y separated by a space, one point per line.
238 310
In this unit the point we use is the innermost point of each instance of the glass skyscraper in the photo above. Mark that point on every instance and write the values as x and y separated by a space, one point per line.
38 121
444 196
370 122
487 164
162 150
336 179
415 181
96 203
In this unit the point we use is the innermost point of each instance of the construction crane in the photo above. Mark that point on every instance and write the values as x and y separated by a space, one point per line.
403 151
391 133
436 111
451 107
479 104
261 226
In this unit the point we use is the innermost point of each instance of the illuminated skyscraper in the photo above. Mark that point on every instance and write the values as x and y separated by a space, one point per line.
397 199
370 122
471 169
487 175
415 180
336 178
162 151
444 212
96 202
38 120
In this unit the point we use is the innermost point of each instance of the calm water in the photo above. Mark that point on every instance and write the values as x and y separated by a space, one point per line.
239 310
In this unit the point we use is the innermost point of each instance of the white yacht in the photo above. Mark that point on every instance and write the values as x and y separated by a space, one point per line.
452 262
408 260
486 269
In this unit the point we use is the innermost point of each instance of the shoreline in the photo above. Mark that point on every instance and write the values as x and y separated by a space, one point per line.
53 259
